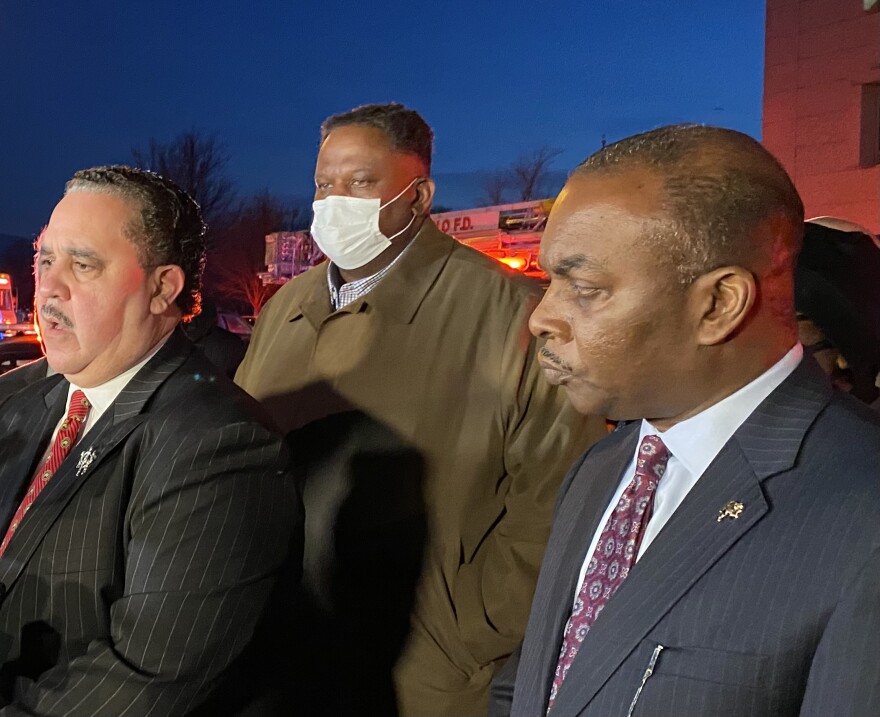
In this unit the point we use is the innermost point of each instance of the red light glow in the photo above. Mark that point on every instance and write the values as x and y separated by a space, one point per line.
517 263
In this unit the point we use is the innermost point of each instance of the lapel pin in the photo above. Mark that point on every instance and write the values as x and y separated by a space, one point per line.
85 460
732 509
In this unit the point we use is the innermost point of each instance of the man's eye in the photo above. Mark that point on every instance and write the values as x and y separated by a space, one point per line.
323 186
82 266
360 182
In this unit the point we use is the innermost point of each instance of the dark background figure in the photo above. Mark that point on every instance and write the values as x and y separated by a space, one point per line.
366 533
221 347
837 296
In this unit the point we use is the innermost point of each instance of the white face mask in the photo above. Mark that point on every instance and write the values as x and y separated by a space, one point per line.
347 228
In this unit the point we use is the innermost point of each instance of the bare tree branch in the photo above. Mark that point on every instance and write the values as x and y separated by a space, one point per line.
495 188
523 181
530 170
246 287
237 255
198 164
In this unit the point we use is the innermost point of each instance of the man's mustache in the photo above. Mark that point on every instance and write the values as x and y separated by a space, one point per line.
50 312
551 357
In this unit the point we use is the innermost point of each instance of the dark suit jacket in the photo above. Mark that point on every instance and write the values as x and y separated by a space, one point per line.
776 612
138 577
13 381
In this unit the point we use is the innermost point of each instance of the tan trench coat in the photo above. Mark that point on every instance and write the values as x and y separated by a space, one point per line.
440 351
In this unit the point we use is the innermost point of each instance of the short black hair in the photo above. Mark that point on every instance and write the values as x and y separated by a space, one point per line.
170 230
405 129
718 186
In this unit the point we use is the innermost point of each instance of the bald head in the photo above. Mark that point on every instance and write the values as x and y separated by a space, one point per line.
726 200
670 256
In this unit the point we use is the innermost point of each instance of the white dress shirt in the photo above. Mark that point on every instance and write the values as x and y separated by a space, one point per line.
101 397
693 444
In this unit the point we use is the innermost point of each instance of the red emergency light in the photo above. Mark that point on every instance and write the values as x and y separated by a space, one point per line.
517 263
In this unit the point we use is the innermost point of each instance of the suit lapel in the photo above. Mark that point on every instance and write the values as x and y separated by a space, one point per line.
120 419
32 417
695 539
689 544
578 516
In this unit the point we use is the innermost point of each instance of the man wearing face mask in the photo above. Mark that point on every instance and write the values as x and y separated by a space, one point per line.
430 338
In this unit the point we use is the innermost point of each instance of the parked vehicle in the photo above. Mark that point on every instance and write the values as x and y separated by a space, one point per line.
25 328
235 324
19 350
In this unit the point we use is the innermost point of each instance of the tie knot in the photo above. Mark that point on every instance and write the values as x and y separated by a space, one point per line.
79 406
653 456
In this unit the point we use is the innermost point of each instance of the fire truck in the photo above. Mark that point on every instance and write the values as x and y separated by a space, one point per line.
289 254
7 301
510 233
11 323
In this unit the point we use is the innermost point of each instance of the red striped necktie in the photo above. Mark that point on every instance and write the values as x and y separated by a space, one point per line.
65 440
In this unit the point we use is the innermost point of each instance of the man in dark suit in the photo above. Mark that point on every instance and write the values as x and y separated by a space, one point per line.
720 555
145 504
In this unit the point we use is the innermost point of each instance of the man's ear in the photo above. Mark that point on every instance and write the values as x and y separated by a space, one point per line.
424 197
723 299
167 283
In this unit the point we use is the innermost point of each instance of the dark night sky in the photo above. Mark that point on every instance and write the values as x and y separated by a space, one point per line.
82 82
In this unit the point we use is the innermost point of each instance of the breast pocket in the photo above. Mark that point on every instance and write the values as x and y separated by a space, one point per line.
690 681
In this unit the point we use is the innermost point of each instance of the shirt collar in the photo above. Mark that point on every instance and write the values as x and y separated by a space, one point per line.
400 294
102 397
358 287
696 441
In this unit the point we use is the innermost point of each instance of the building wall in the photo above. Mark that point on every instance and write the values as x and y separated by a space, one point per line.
821 58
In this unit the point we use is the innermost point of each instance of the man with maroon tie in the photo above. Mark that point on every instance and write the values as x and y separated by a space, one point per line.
720 554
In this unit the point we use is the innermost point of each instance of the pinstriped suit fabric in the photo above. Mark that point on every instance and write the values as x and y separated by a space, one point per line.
20 377
774 613
155 565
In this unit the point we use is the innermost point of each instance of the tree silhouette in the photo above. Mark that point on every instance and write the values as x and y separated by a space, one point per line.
523 181
197 163
530 170
238 255
495 188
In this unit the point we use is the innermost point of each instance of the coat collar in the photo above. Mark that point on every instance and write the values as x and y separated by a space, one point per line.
399 294
689 545
45 409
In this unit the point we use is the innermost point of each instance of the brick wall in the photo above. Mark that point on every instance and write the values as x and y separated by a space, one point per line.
819 54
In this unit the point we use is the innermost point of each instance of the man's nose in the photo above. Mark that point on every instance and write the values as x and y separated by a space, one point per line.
51 284
545 323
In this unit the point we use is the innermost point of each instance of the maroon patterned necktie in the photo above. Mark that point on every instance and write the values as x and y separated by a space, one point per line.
64 442
615 553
